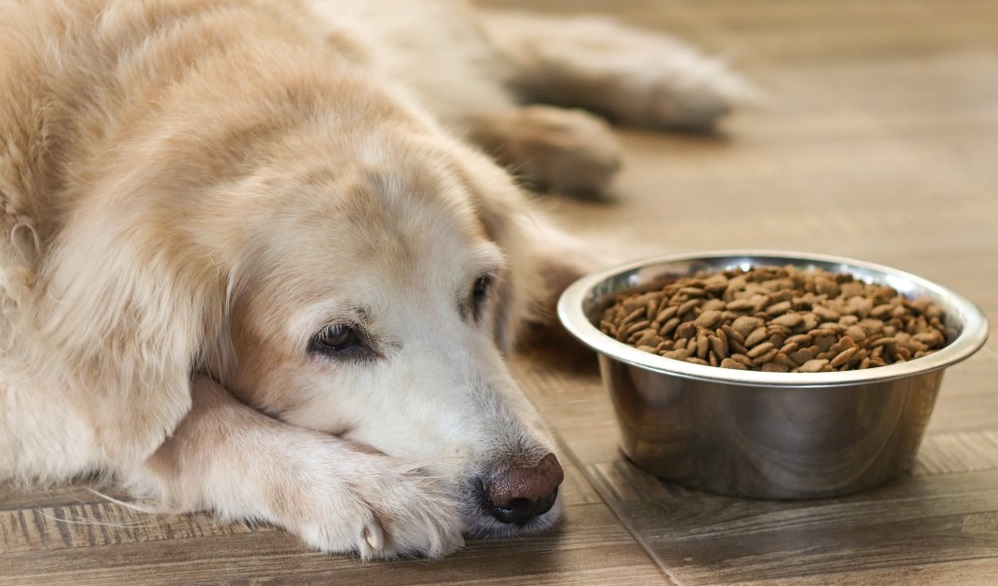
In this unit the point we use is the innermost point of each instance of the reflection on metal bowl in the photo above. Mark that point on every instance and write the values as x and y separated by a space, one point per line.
764 434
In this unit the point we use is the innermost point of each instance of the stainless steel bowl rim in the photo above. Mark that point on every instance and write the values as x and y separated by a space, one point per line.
972 336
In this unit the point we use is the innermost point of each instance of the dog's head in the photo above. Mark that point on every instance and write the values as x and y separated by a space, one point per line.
331 257
372 296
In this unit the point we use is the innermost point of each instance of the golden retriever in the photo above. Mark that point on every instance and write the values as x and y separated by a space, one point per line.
252 263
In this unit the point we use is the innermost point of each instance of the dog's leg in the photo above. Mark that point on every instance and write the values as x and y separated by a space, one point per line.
443 55
549 148
631 76
337 496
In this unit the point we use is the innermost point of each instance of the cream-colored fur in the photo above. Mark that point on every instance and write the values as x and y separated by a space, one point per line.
247 263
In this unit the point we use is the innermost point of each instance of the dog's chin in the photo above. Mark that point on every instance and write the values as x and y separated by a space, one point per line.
481 525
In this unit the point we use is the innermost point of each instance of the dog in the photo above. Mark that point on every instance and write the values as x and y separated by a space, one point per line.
265 257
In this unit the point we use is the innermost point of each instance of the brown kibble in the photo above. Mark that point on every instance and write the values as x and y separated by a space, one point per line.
802 355
843 357
767 357
666 314
826 286
856 333
881 311
680 354
692 291
712 305
651 308
824 342
745 325
649 338
740 305
775 367
719 344
760 350
811 321
668 327
788 320
736 347
703 344
932 339
634 315
816 365
687 307
636 327
757 336
732 334
871 326
777 319
732 363
687 330
776 338
708 319
779 308
789 347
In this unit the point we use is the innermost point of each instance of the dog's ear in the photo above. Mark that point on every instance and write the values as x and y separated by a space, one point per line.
122 312
542 259
503 210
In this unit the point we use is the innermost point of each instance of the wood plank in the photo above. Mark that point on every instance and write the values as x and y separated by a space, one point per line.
590 548
708 539
962 573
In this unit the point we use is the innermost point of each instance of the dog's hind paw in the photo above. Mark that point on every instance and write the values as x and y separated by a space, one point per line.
681 90
632 76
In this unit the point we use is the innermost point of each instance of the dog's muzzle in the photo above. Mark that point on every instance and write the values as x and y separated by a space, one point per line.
517 494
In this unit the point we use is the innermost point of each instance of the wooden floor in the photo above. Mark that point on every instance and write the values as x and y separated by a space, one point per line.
881 144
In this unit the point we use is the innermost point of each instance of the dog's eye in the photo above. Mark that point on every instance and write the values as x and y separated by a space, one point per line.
337 339
480 293
482 285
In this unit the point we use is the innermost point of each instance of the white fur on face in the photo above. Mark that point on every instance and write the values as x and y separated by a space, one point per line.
393 252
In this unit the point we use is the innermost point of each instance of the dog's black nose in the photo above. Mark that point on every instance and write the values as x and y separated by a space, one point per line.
517 494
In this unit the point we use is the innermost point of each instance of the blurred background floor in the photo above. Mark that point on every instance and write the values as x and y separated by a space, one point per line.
882 144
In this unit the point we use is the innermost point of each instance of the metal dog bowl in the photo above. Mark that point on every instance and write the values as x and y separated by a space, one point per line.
761 434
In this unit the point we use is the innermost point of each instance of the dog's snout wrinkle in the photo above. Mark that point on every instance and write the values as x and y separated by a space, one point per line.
517 494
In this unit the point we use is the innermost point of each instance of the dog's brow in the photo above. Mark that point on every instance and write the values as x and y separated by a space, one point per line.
488 259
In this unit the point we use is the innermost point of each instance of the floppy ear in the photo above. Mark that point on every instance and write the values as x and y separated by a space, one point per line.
543 260
503 210
122 311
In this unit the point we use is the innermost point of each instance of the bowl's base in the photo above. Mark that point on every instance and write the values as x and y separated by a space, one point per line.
766 491
771 443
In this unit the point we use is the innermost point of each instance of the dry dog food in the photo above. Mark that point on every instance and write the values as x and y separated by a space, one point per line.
777 319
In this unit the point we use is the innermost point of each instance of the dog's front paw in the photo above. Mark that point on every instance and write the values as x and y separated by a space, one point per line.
374 507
